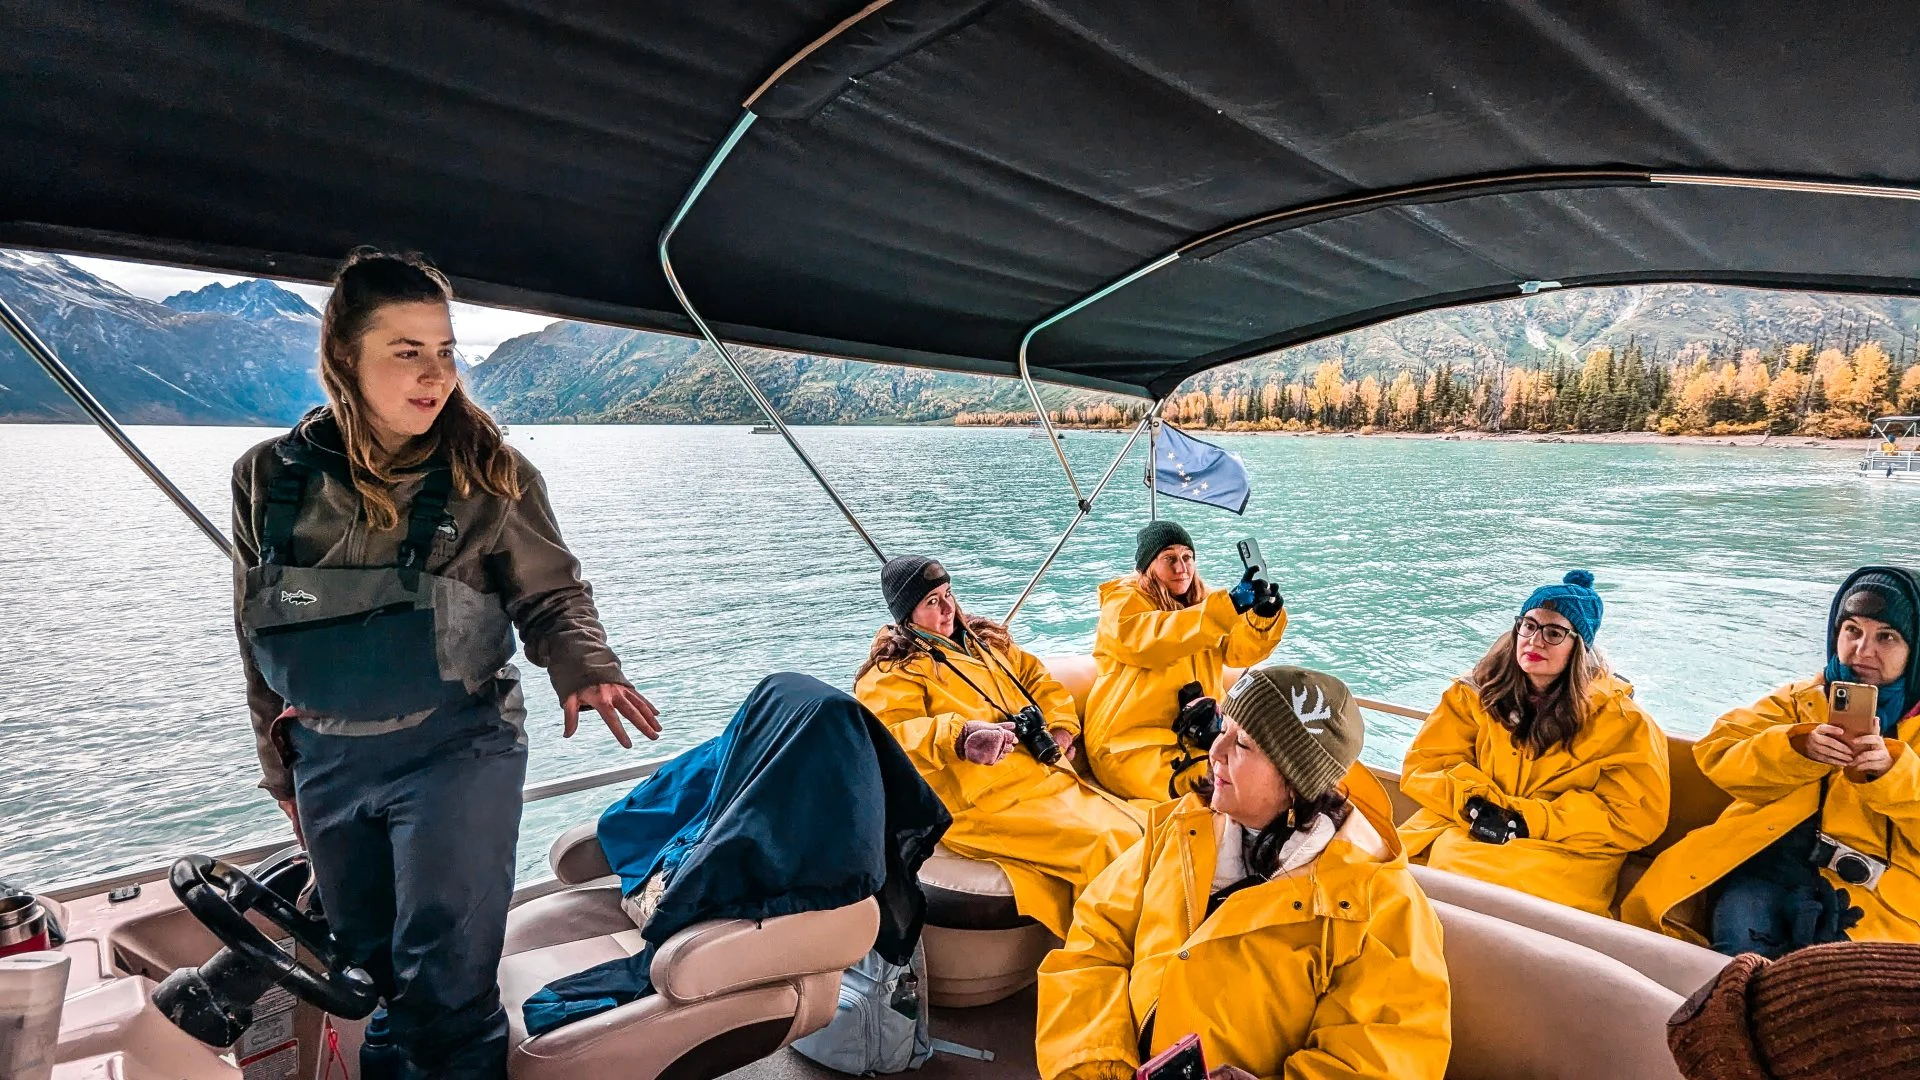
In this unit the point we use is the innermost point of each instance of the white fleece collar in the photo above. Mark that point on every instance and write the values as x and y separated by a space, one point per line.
1304 846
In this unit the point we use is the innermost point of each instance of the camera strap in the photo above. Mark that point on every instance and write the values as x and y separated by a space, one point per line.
940 656
1820 815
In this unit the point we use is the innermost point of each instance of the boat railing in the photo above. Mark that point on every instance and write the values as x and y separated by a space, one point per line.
532 793
1896 461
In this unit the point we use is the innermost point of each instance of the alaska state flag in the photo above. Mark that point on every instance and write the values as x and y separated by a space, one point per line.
1186 468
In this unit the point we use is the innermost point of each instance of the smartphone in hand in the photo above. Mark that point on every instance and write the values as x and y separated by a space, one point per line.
1181 1061
1251 558
1853 708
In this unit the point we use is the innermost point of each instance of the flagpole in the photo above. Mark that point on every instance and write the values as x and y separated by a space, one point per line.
1153 463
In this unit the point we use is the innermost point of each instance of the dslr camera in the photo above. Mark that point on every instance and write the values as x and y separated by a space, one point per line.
1198 722
1031 729
1849 864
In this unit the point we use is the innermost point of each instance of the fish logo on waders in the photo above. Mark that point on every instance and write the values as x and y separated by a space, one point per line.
298 597
445 536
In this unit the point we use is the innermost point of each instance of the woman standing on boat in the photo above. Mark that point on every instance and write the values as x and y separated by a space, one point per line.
1272 915
954 689
1822 842
1538 771
1162 641
387 549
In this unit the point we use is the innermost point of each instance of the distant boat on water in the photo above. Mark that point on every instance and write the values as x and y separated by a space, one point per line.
1890 458
765 429
1036 431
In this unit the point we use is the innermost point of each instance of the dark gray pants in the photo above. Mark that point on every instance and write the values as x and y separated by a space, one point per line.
412 835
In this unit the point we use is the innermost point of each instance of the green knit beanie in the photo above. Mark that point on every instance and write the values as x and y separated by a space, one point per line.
1305 721
1158 536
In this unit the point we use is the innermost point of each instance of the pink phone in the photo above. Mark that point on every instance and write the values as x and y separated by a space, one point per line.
1181 1061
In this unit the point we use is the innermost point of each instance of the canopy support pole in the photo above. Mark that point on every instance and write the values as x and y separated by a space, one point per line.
1086 508
1033 391
726 355
62 375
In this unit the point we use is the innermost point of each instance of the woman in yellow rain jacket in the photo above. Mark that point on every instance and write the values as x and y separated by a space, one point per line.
953 689
1538 771
1162 641
1822 842
1273 917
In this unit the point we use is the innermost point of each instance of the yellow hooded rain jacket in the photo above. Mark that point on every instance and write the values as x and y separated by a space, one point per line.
1750 754
1145 655
1331 970
1587 805
1050 831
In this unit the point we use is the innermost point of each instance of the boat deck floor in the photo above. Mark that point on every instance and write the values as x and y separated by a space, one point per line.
1005 1027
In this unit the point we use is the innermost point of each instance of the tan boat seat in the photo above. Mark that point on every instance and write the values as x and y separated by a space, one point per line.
980 949
728 992
1679 966
1531 1006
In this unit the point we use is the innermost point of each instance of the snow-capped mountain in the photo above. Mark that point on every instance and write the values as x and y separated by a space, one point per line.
243 356
255 301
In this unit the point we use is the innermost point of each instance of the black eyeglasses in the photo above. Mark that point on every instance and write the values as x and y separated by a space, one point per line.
1526 628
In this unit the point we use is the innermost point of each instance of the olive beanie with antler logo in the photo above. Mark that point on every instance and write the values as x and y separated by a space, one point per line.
1305 721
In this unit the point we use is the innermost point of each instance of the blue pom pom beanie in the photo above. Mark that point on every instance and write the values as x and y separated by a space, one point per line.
1574 598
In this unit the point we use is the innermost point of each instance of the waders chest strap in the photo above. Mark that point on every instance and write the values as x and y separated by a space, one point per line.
429 509
285 493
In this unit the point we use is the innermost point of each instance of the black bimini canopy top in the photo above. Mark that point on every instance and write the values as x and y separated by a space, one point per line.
927 181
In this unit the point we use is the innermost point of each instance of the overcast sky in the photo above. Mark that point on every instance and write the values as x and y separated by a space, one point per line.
478 329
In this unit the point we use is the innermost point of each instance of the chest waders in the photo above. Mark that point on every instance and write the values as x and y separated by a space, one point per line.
407 760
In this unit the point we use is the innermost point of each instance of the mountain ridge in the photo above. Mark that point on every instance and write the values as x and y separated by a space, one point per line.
245 354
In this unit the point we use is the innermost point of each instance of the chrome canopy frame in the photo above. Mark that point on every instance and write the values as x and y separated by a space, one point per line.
23 333
726 355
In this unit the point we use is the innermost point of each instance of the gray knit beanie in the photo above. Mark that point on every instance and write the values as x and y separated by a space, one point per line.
1305 721
906 580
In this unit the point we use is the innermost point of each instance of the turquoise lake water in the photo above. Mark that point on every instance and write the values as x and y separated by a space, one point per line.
715 560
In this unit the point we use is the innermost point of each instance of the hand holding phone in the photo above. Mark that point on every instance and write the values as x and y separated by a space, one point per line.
1255 562
1854 708
1181 1061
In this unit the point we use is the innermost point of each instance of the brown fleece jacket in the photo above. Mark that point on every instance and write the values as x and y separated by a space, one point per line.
509 547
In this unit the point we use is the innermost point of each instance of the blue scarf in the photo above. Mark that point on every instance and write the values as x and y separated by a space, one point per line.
1893 696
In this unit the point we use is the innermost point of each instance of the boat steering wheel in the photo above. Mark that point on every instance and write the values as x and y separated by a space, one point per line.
220 895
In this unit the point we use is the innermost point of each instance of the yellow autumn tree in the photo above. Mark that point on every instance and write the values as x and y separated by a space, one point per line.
1368 394
1835 376
1328 391
1909 398
1783 399
1753 382
1871 368
1404 397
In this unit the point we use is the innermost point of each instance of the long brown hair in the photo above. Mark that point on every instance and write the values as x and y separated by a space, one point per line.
897 644
470 439
1150 587
1543 721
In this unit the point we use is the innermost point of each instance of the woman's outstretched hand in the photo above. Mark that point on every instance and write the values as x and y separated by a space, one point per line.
613 701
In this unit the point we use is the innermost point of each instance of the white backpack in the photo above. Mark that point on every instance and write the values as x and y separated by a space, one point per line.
881 1025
